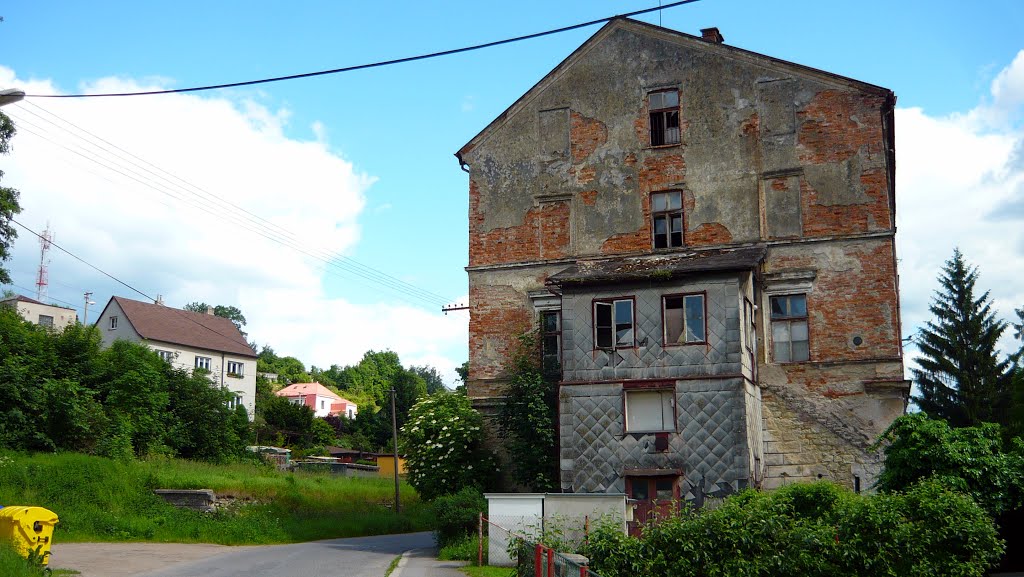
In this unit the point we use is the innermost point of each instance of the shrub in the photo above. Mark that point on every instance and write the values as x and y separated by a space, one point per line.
444 447
463 549
457 515
812 530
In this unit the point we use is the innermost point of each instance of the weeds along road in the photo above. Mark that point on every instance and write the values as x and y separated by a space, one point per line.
357 557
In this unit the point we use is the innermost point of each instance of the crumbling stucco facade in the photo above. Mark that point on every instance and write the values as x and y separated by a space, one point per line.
655 182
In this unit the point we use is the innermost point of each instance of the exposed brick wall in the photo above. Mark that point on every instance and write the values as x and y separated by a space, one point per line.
554 229
498 314
836 124
854 294
829 220
585 135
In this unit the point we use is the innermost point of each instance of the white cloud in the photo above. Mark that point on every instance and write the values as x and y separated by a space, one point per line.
228 156
960 183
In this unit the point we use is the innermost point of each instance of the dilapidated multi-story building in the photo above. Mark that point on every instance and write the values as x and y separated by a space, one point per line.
705 237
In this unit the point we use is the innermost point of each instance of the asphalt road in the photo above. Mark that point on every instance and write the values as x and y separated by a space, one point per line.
358 557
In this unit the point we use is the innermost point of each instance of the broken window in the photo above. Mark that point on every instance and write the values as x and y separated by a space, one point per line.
664 113
550 342
613 324
667 218
789 328
203 363
684 319
650 411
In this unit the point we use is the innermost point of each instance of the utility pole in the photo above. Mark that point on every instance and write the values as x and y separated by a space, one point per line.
85 320
394 438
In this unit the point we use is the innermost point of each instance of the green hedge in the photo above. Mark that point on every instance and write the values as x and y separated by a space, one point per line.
811 530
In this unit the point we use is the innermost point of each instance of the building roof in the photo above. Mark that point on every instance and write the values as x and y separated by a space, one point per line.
658 266
307 389
673 36
171 325
25 299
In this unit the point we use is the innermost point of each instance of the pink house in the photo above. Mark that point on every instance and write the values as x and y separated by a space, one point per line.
322 400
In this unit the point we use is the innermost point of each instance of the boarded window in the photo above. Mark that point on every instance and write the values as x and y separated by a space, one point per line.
648 411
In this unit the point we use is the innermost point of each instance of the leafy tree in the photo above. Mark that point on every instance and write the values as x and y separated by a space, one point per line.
431 377
463 372
527 425
444 447
8 201
201 426
972 460
231 313
961 378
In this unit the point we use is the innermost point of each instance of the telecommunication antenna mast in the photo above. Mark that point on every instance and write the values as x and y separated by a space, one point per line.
43 279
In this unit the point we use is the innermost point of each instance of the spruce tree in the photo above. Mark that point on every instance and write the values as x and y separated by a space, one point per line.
961 378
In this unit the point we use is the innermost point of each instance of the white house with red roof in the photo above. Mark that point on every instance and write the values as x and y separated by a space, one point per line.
187 340
40 313
322 400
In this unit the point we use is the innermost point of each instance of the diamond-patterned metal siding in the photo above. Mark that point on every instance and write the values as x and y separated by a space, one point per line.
649 359
710 447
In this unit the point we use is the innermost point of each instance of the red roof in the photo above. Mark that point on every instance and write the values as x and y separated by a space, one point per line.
306 389
171 325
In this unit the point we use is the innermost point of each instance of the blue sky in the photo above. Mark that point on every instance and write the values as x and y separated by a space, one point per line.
375 147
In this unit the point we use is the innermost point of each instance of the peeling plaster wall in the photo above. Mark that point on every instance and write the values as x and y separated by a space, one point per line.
769 153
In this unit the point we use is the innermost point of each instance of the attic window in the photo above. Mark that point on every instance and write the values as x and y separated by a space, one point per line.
113 323
663 107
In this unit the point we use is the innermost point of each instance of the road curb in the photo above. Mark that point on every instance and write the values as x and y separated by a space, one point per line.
401 562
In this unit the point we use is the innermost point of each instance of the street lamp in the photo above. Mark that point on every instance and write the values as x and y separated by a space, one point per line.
10 96
87 303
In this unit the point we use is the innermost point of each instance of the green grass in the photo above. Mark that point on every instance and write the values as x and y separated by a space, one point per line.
488 571
391 567
14 565
465 549
99 499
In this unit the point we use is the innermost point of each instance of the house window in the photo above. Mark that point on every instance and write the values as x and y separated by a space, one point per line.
46 321
664 110
236 369
550 341
750 324
234 402
165 355
667 219
789 328
113 323
203 363
650 411
323 404
684 319
613 324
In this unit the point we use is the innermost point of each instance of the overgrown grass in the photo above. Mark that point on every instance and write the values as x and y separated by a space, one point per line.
14 565
99 499
488 571
464 549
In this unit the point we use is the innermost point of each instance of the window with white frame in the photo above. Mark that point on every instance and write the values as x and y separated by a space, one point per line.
650 411
236 369
667 218
203 362
234 402
684 319
46 321
113 322
663 107
790 341
613 324
166 355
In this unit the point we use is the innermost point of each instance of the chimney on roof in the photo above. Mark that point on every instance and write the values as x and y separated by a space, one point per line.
159 300
209 310
712 35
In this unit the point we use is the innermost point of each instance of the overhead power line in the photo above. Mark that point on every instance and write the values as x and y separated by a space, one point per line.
128 165
374 64
107 274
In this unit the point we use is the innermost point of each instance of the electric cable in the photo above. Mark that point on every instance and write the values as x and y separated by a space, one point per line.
373 64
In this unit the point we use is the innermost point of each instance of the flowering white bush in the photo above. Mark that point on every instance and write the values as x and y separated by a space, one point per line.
444 447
